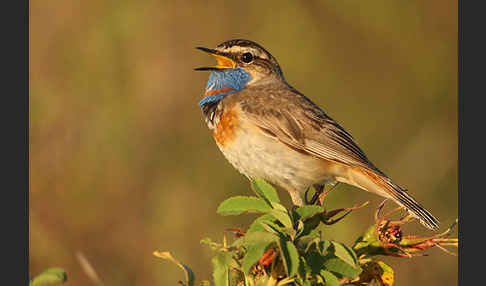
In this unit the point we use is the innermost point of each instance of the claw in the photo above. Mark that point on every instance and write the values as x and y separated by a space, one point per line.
314 198
319 194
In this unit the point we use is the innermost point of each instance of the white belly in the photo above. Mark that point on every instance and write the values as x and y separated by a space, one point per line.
259 156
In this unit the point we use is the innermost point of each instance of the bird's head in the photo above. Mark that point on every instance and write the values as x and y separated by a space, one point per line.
240 63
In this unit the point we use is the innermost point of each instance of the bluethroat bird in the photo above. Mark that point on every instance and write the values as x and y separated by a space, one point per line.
267 129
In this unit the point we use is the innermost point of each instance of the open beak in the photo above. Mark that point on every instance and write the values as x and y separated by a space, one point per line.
224 60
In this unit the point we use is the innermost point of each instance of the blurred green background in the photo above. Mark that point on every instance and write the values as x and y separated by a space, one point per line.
121 160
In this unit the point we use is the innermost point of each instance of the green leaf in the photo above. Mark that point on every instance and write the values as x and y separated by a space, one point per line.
300 228
308 211
314 261
311 224
272 228
253 254
388 275
306 242
385 268
329 278
319 280
241 204
304 269
345 253
278 206
290 257
256 224
238 242
322 246
187 271
265 191
221 264
283 217
342 268
50 276
259 236
303 282
369 235
290 232
212 244
364 243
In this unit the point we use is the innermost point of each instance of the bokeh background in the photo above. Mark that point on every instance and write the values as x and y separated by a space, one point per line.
122 163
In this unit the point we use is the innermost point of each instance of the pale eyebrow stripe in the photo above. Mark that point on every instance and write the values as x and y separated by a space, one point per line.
241 49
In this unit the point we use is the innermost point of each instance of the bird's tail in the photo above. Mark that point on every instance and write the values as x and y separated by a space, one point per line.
382 185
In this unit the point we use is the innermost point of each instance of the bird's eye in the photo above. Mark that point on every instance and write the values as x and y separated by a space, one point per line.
247 58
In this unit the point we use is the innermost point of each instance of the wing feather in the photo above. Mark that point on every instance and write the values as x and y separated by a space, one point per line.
296 121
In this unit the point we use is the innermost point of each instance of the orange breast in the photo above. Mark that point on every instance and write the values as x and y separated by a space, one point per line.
213 92
225 131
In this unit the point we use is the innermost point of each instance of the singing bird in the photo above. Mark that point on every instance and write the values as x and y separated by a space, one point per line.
267 129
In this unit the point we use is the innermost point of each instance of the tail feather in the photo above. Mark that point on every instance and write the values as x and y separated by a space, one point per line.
406 200
382 185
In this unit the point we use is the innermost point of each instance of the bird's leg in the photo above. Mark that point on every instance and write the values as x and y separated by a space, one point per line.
319 195
296 199
305 196
315 197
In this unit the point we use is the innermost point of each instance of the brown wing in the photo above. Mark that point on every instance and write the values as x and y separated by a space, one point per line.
294 120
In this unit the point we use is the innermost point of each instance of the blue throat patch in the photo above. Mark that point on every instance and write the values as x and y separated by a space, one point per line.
235 79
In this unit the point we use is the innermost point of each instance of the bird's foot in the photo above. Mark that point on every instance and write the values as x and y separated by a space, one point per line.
319 195
315 197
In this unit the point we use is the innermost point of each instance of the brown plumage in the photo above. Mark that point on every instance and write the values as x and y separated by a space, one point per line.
280 135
